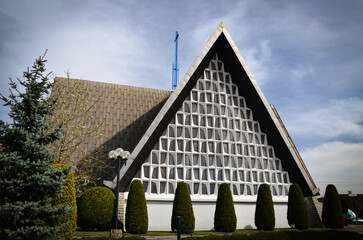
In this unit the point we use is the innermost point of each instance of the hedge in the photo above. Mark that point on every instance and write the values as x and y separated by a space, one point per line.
136 209
297 214
332 209
68 198
264 214
182 206
225 216
96 208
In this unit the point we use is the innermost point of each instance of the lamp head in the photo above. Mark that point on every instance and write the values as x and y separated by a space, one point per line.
112 154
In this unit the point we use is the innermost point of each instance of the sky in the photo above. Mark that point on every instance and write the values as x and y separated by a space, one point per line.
307 57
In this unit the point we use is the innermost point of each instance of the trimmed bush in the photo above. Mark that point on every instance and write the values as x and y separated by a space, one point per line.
264 214
68 198
297 215
225 216
332 209
136 209
182 206
96 208
346 204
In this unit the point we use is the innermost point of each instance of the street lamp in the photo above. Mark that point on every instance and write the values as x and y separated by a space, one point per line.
118 154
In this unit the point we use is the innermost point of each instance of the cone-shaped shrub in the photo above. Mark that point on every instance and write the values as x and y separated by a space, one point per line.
96 208
332 209
297 215
264 214
182 206
346 204
68 198
225 216
136 209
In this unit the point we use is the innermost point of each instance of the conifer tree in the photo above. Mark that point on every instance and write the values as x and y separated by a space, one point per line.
183 207
225 216
136 209
28 181
265 213
332 215
297 214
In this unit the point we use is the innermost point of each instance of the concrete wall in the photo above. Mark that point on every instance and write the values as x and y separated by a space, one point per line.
160 215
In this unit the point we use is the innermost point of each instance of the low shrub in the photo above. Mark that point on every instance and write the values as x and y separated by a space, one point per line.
136 209
68 198
297 215
332 215
265 213
346 204
96 208
182 206
225 216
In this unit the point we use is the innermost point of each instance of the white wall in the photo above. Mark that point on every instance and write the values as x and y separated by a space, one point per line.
160 215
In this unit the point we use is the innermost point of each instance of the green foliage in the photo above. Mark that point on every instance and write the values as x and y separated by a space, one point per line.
136 209
96 208
225 216
264 214
332 209
68 198
297 215
347 219
346 204
182 206
28 181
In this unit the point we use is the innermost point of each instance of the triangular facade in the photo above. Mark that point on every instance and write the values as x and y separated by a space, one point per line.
217 127
213 138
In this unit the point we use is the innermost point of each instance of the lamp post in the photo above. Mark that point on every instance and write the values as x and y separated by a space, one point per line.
118 154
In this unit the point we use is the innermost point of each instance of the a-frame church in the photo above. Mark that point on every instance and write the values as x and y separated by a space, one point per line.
215 127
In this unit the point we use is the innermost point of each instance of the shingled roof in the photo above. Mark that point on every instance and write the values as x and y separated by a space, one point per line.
128 112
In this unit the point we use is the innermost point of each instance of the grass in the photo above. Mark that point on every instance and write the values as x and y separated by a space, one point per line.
242 234
286 235
82 233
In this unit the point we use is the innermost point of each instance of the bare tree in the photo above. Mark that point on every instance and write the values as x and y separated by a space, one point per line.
75 109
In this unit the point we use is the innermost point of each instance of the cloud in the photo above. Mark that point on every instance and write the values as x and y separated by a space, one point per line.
338 118
259 59
338 163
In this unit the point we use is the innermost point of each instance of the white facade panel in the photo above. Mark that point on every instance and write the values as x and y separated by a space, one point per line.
160 215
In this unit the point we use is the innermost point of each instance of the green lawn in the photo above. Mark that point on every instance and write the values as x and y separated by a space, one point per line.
251 234
286 235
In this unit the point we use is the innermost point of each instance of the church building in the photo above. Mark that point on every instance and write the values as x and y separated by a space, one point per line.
215 127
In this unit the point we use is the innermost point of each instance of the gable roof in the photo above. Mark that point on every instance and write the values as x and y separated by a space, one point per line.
221 43
128 112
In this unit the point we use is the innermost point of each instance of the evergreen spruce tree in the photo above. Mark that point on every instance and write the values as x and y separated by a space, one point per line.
297 215
183 207
28 181
225 216
265 213
332 215
136 209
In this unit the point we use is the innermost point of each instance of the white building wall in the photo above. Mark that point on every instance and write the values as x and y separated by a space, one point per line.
160 212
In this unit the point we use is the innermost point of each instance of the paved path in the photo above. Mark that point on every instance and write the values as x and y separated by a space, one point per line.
354 228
